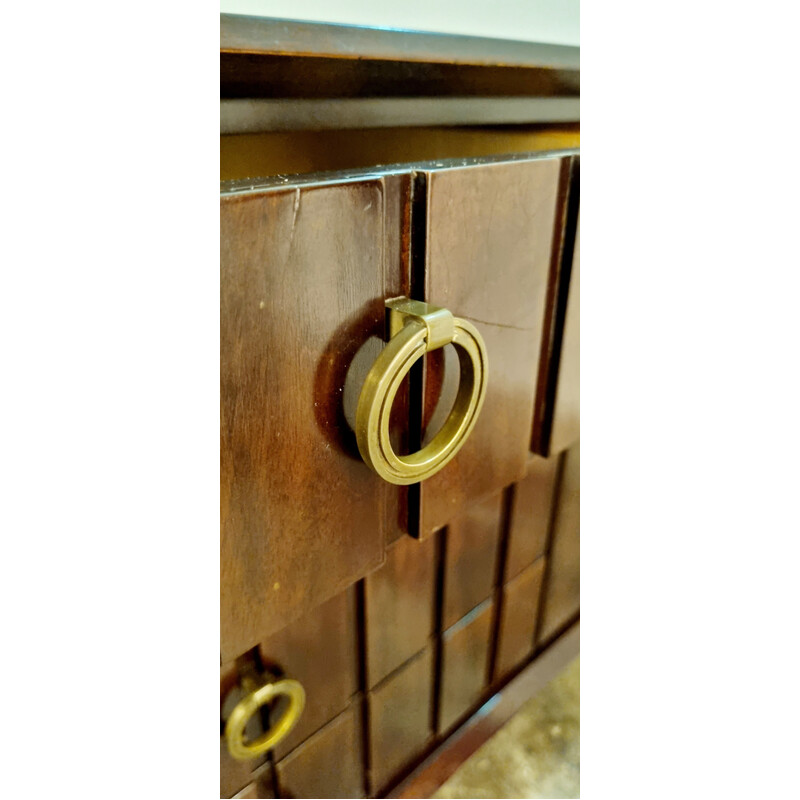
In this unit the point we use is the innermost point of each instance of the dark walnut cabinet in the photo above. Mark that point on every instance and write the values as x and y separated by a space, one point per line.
399 609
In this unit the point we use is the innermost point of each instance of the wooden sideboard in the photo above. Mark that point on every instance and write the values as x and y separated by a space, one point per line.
400 609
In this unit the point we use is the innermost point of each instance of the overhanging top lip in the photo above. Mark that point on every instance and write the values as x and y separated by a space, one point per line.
271 36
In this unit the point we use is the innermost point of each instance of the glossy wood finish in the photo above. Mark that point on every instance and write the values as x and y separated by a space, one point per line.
531 511
400 600
519 610
320 651
302 291
562 584
329 764
489 239
465 654
401 721
471 558
567 412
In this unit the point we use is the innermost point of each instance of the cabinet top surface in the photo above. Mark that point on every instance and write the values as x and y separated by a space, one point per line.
266 36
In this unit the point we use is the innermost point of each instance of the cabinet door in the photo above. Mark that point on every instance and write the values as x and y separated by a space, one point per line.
305 272
489 233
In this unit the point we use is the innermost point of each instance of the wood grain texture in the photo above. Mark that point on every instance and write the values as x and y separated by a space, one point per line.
488 251
518 618
400 718
319 650
465 654
471 558
562 585
399 606
567 411
329 764
302 294
530 515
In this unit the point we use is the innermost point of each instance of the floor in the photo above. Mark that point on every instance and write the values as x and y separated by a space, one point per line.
536 754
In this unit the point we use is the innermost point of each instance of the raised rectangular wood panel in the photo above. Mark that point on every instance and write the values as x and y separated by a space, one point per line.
399 600
489 240
401 723
303 288
567 410
329 764
563 582
520 608
465 653
471 558
320 651
531 511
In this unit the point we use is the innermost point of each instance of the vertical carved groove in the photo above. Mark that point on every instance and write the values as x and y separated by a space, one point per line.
416 376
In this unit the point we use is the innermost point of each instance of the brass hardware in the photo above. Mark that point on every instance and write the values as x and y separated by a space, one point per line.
249 705
414 329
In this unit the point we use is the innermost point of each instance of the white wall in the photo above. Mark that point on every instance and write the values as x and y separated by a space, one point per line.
555 21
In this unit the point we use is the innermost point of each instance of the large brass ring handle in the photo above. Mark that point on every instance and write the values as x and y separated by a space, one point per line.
415 329
249 705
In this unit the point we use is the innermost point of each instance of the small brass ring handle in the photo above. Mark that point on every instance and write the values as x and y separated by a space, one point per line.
248 705
415 329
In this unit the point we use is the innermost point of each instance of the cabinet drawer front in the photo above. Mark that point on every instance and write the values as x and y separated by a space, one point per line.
400 718
320 651
303 287
400 598
530 515
489 246
233 774
518 618
471 558
465 663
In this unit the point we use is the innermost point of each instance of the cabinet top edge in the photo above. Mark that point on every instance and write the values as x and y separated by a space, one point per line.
270 36
321 179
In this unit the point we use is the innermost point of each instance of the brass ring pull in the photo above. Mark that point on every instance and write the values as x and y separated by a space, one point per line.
415 329
248 705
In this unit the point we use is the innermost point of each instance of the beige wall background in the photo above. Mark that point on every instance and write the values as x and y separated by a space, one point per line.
553 21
